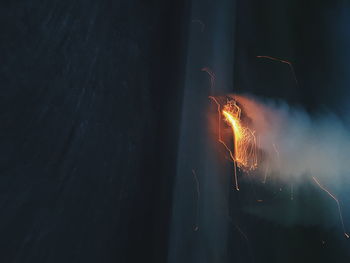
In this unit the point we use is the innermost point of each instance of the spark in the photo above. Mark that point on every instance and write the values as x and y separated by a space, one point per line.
277 152
196 227
239 229
244 236
285 62
212 77
200 22
336 200
197 182
223 143
266 173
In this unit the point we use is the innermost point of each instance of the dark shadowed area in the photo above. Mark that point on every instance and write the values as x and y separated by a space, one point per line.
89 108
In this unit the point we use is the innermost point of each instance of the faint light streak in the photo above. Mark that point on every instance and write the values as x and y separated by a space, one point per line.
196 227
212 77
266 173
239 229
336 200
244 236
200 22
285 62
277 152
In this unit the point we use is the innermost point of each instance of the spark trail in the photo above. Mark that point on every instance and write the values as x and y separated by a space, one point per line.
336 200
196 227
285 62
200 22
232 158
212 77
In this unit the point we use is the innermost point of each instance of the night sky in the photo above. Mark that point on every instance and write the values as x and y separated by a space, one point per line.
102 120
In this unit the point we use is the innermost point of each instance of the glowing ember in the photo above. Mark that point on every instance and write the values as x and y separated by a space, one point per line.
244 153
244 141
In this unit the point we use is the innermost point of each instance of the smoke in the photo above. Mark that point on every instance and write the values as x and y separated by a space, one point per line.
295 145
295 149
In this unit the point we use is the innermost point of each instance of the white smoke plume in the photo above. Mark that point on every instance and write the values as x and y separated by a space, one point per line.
301 151
295 145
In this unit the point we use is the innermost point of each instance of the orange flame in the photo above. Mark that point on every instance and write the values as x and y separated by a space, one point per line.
244 153
244 140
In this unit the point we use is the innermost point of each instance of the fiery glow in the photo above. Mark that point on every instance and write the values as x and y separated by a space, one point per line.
244 140
244 153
